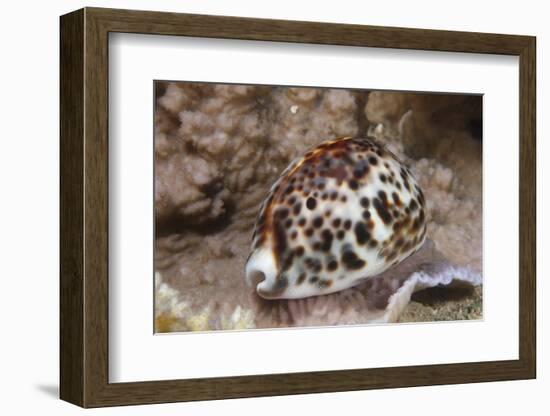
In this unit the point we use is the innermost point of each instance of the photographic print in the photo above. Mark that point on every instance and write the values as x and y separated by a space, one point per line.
280 207
306 200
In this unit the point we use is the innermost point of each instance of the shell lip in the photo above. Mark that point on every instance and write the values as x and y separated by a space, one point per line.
269 293
261 272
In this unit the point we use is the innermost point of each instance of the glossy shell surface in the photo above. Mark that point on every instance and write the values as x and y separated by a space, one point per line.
347 210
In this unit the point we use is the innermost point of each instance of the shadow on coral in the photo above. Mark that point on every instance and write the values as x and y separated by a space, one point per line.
437 295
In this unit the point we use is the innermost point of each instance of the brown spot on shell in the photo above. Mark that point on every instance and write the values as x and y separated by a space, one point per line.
396 199
382 211
332 265
318 222
323 284
311 203
281 213
280 242
352 261
327 237
361 233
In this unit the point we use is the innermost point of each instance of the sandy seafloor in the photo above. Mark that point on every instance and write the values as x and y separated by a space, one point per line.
218 149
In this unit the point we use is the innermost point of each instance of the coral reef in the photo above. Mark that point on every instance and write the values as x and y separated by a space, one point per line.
218 149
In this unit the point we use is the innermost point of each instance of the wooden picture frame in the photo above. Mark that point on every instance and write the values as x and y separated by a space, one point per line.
84 207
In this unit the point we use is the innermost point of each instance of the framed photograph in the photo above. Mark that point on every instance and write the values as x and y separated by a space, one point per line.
255 207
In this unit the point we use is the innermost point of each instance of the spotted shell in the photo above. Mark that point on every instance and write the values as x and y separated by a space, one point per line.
347 210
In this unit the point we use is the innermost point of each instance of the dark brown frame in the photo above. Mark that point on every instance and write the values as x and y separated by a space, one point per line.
84 209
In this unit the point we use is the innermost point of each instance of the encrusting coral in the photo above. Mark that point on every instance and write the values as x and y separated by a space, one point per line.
219 148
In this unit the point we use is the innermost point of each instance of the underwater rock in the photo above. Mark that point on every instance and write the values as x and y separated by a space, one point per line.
422 120
217 147
346 211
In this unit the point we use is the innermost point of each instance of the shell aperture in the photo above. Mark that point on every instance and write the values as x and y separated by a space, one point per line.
347 210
